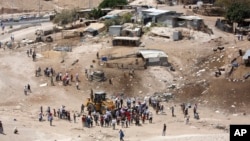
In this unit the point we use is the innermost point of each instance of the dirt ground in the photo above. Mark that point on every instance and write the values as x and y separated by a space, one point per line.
222 100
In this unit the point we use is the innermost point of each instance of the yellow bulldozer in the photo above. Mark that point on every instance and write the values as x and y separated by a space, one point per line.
99 103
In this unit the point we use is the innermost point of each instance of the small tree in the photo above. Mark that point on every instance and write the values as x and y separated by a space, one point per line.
227 3
112 3
66 17
237 12
126 18
96 13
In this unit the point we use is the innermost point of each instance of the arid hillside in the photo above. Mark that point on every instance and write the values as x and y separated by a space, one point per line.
15 6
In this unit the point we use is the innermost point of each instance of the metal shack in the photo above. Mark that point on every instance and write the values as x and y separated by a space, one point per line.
246 57
126 41
153 57
193 22
164 17
115 30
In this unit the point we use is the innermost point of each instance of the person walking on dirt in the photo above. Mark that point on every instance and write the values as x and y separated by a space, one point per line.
74 117
77 77
113 123
82 108
110 82
41 109
121 135
83 121
50 119
91 95
52 81
40 118
1 127
12 38
71 77
172 109
28 54
60 76
164 129
34 56
77 86
195 109
28 87
30 50
25 90
187 120
97 55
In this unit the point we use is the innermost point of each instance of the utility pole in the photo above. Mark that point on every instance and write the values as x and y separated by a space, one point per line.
39 9
12 9
90 4
2 11
39 6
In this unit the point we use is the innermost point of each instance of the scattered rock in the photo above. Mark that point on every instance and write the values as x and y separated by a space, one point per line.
44 84
221 127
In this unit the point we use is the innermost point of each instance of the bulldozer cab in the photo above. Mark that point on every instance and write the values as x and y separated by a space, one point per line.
99 97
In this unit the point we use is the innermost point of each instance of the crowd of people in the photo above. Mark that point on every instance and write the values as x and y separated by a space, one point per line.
66 78
123 115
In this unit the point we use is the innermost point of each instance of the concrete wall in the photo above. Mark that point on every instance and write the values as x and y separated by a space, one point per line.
115 30
163 61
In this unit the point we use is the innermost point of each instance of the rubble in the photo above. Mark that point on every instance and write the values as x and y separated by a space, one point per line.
162 96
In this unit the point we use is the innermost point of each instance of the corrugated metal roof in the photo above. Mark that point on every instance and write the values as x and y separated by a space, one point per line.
127 38
153 10
190 18
116 26
246 55
152 53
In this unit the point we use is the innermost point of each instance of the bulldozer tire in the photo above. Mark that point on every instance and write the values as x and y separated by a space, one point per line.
91 107
103 109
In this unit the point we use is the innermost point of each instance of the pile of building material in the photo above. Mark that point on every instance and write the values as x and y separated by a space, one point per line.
159 96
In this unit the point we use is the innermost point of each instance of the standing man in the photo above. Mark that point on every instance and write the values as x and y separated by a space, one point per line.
34 56
74 117
195 109
50 118
77 85
91 95
82 108
52 81
121 135
77 77
40 116
25 90
83 120
164 129
113 123
187 120
29 89
1 128
28 54
172 108
110 82
41 109
97 55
